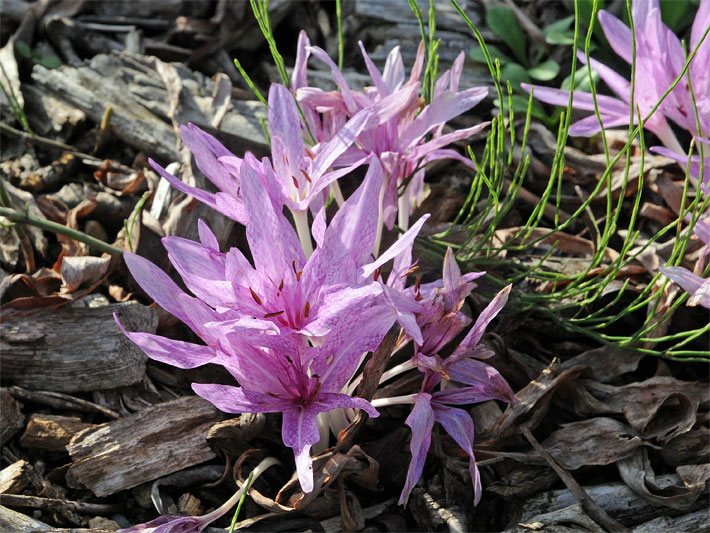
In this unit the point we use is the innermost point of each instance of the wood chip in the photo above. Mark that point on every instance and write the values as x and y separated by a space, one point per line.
135 91
75 349
12 419
697 521
14 478
616 498
50 432
142 447
19 523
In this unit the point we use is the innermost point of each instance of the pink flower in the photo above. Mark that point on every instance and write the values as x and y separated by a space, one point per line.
406 142
659 61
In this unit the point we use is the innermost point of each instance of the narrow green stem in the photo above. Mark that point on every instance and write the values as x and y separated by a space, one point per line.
24 218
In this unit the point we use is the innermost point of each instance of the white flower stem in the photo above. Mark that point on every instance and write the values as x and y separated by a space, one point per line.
337 193
231 502
324 430
389 374
394 400
304 232
403 212
380 221
397 370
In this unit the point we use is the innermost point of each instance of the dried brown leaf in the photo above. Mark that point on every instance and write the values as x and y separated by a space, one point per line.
661 407
597 441
86 270
638 474
533 400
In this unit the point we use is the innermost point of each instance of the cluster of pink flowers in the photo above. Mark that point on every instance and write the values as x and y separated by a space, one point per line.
659 60
294 322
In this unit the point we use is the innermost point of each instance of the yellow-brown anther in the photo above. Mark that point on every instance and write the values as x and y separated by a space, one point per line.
255 296
305 175
411 270
306 310
272 315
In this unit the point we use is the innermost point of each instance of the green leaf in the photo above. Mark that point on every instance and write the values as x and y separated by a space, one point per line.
22 48
585 12
560 32
476 53
676 13
515 74
503 23
520 107
48 61
581 80
545 71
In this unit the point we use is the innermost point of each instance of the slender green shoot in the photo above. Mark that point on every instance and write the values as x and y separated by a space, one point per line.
241 502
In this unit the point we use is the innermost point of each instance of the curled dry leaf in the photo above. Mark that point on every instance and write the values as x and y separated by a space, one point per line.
606 363
355 465
661 407
522 480
690 448
25 202
82 271
533 400
235 434
71 247
597 441
638 474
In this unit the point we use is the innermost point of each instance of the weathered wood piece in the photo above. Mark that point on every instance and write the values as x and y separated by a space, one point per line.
51 432
432 515
19 523
56 504
615 498
561 518
15 477
152 443
140 103
74 349
697 521
12 419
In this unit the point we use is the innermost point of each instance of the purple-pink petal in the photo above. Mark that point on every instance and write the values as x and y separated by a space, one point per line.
441 110
299 431
487 315
421 421
458 424
172 352
402 244
273 241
